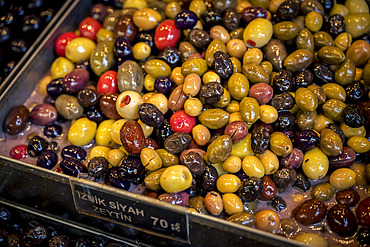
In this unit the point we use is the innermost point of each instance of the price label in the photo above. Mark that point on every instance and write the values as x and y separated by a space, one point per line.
128 211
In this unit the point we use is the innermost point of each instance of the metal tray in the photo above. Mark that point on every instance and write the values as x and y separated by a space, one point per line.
68 199
34 46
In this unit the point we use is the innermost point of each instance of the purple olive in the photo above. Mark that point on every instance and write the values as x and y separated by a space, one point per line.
180 198
186 19
342 220
53 131
72 167
293 160
310 212
75 152
17 119
348 197
306 139
345 160
43 114
75 81
253 12
47 159
130 168
112 178
163 85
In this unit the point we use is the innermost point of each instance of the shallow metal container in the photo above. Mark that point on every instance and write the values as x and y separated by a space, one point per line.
153 222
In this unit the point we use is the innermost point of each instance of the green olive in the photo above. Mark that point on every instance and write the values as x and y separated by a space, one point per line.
298 60
255 73
150 159
238 86
195 65
151 181
343 178
333 109
219 150
215 45
319 92
345 73
176 178
249 109
334 91
258 33
330 143
343 41
167 158
350 132
214 118
305 40
357 24
224 101
197 202
243 148
359 144
315 164
102 58
280 144
306 100
323 191
286 30
157 68
331 55
321 122
232 203
322 39
306 120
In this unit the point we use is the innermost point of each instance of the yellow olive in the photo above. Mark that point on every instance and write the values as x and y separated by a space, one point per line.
228 183
82 132
232 164
150 159
103 137
315 164
270 162
253 167
280 144
99 151
232 204
343 178
176 178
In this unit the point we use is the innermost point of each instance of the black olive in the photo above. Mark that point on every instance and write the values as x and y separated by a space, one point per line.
283 81
251 189
278 203
303 78
285 178
355 92
302 182
353 116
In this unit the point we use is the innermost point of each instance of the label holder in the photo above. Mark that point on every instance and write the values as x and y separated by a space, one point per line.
130 212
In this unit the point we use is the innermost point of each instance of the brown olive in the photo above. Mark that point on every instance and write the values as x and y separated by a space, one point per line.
310 212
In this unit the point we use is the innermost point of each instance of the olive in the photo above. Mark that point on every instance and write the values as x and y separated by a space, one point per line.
231 19
47 159
353 116
112 178
363 236
285 178
194 162
97 166
278 203
75 152
72 167
287 11
35 236
304 78
342 220
335 24
288 225
283 81
260 140
150 115
177 142
36 146
347 197
355 92
310 212
323 191
322 73
17 119
208 180
285 121
306 139
130 168
363 212
211 92
251 189
284 101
